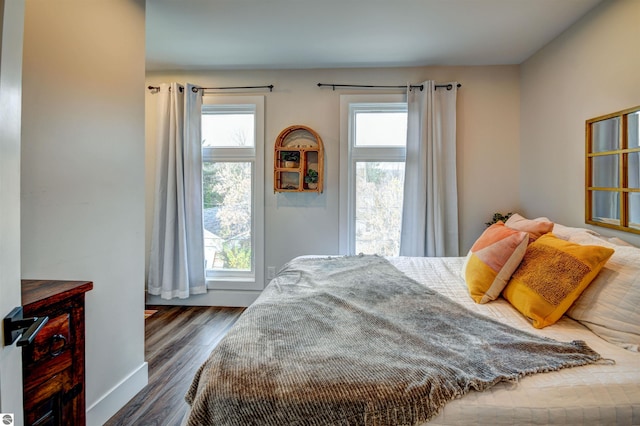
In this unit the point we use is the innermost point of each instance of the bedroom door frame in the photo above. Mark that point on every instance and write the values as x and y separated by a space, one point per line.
11 40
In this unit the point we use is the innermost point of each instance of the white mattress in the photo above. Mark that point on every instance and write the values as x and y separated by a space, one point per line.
598 394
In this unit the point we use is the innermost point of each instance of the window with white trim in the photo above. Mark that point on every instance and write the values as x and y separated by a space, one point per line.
233 191
373 142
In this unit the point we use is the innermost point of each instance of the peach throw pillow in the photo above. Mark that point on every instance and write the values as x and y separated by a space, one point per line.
535 228
492 260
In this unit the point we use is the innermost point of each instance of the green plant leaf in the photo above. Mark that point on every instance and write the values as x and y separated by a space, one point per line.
498 217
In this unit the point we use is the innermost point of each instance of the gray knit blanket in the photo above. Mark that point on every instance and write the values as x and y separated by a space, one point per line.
353 341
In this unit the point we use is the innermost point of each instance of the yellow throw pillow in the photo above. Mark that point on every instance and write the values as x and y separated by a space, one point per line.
551 276
492 260
535 228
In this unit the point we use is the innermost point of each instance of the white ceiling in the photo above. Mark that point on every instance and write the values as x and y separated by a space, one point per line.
278 34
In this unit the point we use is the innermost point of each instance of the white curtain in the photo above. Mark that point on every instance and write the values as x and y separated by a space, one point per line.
430 206
176 263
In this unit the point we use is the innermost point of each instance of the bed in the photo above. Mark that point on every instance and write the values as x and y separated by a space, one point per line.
283 364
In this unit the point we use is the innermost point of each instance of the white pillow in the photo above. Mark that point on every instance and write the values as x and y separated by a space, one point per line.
610 306
615 241
566 232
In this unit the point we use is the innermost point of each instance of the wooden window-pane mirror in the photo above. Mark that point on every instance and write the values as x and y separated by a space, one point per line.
613 170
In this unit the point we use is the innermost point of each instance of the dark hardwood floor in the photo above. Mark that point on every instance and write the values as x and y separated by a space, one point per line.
177 340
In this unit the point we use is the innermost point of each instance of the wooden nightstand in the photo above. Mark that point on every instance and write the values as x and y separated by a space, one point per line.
53 366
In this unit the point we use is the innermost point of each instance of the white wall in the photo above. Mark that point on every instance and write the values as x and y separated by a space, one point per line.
83 177
11 30
590 70
297 224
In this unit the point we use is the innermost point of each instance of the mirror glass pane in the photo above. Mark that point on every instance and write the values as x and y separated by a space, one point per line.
605 207
634 210
633 170
633 128
605 135
605 172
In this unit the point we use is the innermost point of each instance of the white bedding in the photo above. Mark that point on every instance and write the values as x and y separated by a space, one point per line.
597 394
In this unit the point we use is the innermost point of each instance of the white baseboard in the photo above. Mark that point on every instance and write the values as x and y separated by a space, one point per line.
118 396
210 298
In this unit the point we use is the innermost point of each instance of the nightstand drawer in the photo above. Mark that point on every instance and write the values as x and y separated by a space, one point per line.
34 375
53 340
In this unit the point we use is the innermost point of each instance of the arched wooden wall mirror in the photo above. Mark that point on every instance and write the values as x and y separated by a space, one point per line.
613 170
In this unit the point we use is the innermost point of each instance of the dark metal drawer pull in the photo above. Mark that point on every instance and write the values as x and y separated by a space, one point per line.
55 338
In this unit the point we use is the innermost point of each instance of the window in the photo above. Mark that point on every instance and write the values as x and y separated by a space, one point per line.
233 191
373 141
613 170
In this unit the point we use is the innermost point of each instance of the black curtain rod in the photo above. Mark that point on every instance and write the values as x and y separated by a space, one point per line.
447 86
421 87
270 87
333 86
195 89
157 88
